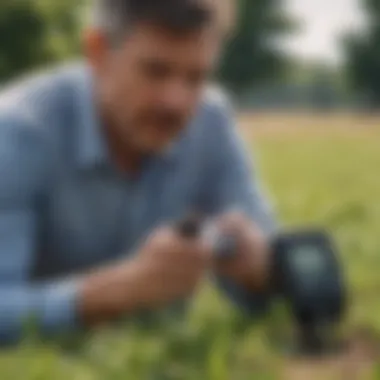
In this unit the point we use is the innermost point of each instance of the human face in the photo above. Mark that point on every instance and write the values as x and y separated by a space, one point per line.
150 85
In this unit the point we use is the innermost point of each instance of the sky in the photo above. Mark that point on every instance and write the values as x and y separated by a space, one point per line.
322 21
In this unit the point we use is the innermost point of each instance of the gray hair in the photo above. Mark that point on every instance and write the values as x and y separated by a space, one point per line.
107 17
116 17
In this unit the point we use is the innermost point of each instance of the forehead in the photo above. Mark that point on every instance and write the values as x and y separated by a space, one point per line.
154 41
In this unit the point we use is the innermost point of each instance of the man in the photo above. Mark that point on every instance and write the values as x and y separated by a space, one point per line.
97 161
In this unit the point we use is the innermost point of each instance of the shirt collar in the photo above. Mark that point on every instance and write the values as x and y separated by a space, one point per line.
92 146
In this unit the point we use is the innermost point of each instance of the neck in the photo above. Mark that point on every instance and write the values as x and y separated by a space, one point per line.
127 159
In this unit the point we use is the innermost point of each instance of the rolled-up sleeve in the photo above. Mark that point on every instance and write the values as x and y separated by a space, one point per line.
233 183
23 171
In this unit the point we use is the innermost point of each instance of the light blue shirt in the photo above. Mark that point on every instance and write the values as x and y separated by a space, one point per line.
65 209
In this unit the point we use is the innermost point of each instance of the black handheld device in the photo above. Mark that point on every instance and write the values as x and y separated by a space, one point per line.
307 273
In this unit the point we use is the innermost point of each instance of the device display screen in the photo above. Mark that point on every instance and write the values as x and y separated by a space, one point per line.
308 260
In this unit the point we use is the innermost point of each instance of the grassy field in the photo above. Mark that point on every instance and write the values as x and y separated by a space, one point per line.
318 170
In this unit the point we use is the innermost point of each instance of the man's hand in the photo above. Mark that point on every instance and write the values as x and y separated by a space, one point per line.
249 267
170 266
166 268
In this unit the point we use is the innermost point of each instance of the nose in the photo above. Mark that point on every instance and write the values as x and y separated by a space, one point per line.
177 95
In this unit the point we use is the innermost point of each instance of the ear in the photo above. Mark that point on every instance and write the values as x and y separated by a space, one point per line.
95 48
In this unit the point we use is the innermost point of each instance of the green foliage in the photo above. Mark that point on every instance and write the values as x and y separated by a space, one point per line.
22 35
36 32
323 88
363 55
252 57
63 21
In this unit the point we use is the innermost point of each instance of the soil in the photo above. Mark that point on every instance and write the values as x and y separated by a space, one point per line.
357 361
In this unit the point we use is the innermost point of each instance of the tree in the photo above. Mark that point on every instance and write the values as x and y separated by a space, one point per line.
35 33
22 36
323 87
252 56
363 56
63 23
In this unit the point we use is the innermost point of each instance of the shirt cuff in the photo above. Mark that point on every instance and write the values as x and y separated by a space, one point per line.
59 312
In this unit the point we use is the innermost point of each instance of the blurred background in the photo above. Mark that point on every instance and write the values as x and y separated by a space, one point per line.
305 79
286 54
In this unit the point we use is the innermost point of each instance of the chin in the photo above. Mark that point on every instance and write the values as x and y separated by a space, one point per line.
157 143
160 145
155 148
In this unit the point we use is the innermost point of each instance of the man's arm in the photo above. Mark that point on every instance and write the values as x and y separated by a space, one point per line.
233 183
56 306
23 166
232 176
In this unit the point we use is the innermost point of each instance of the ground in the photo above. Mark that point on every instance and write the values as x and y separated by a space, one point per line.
318 169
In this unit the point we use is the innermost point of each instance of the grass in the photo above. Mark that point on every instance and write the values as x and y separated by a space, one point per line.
318 170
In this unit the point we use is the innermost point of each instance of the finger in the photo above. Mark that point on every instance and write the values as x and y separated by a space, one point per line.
203 250
233 221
